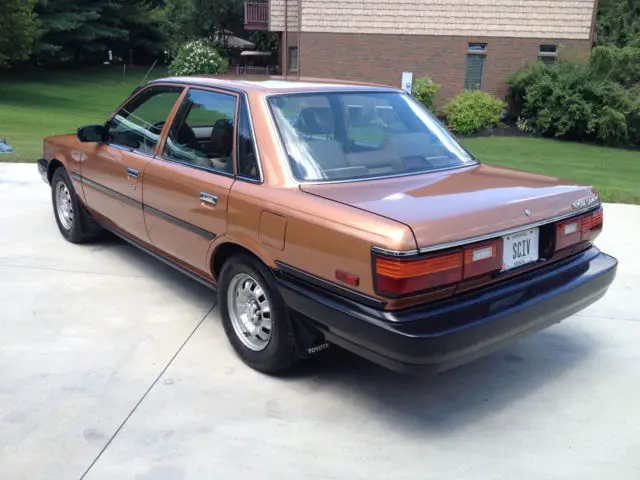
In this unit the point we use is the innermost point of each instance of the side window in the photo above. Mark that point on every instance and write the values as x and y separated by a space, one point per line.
138 124
476 56
202 131
247 158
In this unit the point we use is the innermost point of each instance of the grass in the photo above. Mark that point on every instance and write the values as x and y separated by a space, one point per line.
35 105
48 103
614 172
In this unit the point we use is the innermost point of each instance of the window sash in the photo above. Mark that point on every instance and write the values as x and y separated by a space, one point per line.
475 71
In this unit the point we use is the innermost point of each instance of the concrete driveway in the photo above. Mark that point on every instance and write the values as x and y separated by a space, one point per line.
113 366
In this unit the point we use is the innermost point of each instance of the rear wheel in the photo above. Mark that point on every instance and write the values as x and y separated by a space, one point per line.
73 221
254 316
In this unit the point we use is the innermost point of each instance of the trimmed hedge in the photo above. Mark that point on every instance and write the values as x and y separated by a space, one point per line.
473 110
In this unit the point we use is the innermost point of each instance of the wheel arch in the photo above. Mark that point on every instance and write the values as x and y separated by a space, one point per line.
54 164
227 248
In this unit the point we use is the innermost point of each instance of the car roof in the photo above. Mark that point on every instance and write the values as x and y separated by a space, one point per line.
275 84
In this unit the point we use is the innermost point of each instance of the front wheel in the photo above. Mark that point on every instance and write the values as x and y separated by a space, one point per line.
254 316
72 219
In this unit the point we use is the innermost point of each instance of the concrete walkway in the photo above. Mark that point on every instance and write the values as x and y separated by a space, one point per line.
113 366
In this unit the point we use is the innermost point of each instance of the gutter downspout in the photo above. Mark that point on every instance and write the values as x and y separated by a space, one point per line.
299 35
285 41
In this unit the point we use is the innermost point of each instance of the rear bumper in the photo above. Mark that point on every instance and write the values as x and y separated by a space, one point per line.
449 333
43 168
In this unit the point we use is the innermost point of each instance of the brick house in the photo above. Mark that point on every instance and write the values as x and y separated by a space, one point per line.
459 43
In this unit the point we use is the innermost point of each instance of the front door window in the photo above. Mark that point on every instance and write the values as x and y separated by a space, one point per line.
138 124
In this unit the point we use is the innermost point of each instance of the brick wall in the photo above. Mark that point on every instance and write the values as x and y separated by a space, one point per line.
382 58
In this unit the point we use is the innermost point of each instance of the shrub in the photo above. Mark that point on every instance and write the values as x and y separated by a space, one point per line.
580 101
473 110
425 91
198 58
620 65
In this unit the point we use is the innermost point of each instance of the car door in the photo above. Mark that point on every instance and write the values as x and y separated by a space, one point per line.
112 173
186 187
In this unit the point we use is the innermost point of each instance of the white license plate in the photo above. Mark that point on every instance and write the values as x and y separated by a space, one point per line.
520 248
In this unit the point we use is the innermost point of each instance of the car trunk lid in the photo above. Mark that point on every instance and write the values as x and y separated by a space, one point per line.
455 205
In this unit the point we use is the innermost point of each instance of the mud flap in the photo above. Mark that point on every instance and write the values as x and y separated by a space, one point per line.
309 339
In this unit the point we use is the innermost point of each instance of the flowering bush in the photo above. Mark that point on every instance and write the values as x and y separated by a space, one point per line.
198 58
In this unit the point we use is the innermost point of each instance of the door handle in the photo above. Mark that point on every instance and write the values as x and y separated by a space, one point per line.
132 172
208 198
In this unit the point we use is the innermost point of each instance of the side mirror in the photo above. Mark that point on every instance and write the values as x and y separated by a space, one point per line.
91 133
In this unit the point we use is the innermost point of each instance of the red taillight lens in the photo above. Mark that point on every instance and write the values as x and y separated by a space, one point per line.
396 277
400 277
578 229
348 278
482 258
592 225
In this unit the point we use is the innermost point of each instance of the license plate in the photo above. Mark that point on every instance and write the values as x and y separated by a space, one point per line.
520 248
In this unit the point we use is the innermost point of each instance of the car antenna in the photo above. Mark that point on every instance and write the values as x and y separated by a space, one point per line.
149 71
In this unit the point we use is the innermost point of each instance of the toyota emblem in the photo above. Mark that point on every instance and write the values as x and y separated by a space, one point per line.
527 212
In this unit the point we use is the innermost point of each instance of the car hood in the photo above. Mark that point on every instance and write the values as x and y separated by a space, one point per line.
454 205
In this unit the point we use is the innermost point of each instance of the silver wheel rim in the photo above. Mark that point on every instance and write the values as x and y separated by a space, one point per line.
64 205
250 311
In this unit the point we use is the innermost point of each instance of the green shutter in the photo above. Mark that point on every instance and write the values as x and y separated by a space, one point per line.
475 67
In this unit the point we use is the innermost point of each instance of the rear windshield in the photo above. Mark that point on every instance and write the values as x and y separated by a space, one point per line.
354 136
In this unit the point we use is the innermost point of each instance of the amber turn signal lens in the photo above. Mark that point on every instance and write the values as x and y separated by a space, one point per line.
406 269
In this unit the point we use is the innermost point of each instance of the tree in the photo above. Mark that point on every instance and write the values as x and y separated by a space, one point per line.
618 23
195 19
74 30
83 31
17 30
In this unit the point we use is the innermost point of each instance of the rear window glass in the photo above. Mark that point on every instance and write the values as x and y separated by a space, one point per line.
353 136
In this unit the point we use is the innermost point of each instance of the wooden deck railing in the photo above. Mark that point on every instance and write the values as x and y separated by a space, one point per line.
256 15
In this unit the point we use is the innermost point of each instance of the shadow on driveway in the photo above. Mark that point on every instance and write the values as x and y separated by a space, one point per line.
458 397
450 400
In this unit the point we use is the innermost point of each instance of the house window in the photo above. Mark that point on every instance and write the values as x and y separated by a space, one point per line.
476 55
548 53
293 58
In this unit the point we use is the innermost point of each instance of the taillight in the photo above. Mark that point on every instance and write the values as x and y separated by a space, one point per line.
396 277
592 225
401 277
579 229
482 258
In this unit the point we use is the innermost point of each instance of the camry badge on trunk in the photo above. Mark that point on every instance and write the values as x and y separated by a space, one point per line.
585 202
527 212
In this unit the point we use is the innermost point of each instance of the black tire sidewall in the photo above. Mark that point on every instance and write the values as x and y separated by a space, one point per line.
75 233
280 352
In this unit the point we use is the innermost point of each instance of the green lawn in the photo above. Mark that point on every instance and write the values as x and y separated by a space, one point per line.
52 102
614 172
47 103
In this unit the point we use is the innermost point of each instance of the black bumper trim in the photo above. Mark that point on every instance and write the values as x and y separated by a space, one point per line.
43 169
451 332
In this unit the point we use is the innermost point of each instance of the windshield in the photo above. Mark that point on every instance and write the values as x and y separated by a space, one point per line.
361 135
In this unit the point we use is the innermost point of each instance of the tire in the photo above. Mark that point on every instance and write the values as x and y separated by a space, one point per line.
267 350
73 220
